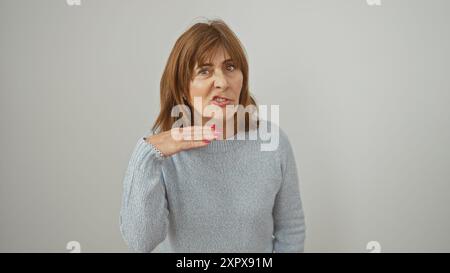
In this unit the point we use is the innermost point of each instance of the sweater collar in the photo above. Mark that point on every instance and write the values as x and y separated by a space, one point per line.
231 143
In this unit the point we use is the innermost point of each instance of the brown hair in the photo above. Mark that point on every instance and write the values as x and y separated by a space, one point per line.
196 45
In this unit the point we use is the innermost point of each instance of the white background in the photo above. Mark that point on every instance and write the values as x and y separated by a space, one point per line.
363 94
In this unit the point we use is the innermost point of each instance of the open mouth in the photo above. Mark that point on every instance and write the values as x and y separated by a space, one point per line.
220 101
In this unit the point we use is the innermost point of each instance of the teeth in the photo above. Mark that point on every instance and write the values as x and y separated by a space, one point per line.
220 99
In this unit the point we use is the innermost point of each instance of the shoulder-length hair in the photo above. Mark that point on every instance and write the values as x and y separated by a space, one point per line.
197 45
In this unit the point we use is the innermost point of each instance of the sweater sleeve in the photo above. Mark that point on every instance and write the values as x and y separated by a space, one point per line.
144 212
289 220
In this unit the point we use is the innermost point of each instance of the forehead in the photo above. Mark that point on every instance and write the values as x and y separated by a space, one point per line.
213 56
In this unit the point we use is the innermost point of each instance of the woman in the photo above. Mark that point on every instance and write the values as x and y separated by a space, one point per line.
195 185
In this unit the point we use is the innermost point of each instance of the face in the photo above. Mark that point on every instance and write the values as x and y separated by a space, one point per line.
217 83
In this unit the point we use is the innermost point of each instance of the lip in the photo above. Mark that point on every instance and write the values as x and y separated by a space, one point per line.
221 98
221 104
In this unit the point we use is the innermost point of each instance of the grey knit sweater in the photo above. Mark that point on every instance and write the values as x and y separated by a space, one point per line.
226 197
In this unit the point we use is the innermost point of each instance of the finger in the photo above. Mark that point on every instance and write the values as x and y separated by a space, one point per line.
199 133
192 144
188 132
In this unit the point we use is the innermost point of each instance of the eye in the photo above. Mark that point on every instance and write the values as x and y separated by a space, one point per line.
231 67
203 71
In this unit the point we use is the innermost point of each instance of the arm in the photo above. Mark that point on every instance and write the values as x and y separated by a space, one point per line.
144 212
289 220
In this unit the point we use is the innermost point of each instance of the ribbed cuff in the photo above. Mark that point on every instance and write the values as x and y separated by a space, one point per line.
160 155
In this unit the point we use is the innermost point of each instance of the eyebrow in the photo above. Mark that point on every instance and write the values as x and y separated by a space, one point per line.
210 64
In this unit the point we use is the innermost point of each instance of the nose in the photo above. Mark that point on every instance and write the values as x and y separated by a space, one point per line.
220 81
